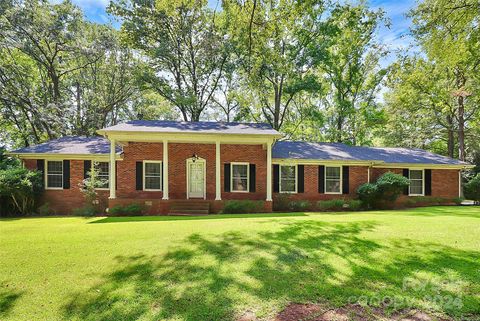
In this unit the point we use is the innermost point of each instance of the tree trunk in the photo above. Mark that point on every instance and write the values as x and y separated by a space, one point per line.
451 137
461 128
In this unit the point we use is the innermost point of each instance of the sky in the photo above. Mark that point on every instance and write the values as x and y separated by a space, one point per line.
395 37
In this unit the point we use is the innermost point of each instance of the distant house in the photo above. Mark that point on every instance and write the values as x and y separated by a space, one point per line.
175 166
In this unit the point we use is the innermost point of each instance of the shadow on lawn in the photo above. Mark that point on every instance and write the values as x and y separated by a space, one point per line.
208 278
7 299
458 211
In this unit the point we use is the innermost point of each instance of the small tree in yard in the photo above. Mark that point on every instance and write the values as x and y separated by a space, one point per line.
20 187
386 190
88 187
472 189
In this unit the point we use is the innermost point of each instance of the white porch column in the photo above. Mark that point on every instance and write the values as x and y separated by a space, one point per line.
218 190
113 174
165 170
269 171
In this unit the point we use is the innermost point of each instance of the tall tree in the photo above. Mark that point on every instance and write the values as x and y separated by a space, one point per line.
182 42
448 33
348 57
271 38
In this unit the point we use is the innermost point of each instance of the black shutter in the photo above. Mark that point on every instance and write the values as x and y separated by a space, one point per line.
428 182
301 179
252 178
346 180
116 175
406 173
226 177
87 167
321 179
276 178
41 169
66 174
139 176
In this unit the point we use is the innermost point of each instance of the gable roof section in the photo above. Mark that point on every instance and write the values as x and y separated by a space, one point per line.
70 145
343 152
204 127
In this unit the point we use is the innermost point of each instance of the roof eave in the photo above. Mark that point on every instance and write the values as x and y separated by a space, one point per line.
63 156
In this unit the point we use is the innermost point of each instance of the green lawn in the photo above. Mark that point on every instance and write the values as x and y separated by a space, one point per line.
217 267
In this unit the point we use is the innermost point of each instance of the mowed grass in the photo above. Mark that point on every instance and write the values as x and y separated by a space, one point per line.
218 267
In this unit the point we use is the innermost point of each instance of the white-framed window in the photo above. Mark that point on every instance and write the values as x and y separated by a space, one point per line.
239 177
416 187
103 174
288 178
333 180
54 174
152 175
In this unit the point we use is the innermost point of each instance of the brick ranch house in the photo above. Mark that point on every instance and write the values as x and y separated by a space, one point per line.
177 166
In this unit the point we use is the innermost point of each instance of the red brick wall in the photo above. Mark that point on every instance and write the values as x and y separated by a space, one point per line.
253 154
64 201
445 183
357 176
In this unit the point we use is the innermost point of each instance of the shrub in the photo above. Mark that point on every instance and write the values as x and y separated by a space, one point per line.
386 190
368 194
132 209
87 210
242 207
281 202
458 200
19 187
331 205
472 189
299 206
391 186
354 205
45 210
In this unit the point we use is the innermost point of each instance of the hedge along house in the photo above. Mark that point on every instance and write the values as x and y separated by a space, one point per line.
181 167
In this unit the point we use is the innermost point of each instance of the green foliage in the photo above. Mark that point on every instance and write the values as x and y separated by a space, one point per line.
89 187
45 210
331 205
391 186
429 200
354 205
87 210
458 200
132 209
281 202
384 191
472 189
6 161
20 187
368 194
299 206
242 207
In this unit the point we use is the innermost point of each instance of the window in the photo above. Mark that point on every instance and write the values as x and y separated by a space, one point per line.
103 169
288 179
416 182
152 176
54 174
333 181
240 177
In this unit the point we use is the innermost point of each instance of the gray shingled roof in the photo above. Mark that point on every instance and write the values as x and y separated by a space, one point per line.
342 152
78 145
204 127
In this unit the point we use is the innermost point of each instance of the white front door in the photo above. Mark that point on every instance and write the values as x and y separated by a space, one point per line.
196 179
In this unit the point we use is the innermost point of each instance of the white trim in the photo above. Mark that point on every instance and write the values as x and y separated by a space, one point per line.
341 180
269 172
143 176
202 161
280 178
423 181
218 189
113 170
46 173
248 176
165 170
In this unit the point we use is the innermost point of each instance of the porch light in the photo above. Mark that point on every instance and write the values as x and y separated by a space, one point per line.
194 158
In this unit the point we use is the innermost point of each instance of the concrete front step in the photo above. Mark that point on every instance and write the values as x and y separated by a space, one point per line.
188 212
190 206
